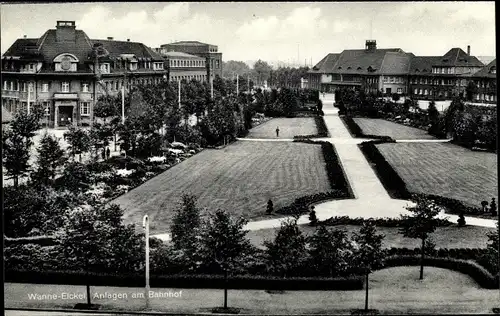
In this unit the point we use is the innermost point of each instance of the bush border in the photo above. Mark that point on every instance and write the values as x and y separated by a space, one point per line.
200 281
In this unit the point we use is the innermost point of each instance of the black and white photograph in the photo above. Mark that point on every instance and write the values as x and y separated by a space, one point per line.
253 158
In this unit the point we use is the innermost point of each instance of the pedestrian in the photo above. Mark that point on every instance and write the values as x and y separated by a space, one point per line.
277 131
108 153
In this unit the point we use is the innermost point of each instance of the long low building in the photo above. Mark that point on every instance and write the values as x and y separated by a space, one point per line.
389 71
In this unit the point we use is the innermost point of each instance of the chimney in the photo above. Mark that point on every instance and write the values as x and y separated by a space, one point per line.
65 31
24 36
128 39
110 38
468 50
371 45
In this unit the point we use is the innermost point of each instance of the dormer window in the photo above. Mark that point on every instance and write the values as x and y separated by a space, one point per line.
348 68
65 62
493 70
359 68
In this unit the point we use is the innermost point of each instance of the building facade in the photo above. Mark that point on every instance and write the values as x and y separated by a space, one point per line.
64 72
485 81
213 58
182 66
394 71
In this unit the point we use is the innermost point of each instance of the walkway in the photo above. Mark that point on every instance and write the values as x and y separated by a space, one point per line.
371 199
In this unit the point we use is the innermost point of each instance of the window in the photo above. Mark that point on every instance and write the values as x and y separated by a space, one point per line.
85 108
421 92
133 66
45 87
385 79
217 64
446 94
5 84
31 66
65 86
400 90
46 108
30 87
85 87
105 68
430 92
425 92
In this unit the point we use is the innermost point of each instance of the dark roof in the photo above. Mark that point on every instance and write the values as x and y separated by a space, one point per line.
50 48
486 71
423 64
360 60
117 48
21 46
325 64
395 63
194 43
6 116
457 57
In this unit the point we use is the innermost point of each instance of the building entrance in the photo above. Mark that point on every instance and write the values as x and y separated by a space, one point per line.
65 115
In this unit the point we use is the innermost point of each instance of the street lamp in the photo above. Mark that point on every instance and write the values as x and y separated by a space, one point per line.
145 224
47 117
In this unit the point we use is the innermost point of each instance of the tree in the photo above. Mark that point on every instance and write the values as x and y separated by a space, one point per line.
224 244
77 177
432 112
313 219
50 157
233 67
368 252
78 140
330 251
491 259
263 70
186 229
287 253
16 155
95 239
471 90
420 224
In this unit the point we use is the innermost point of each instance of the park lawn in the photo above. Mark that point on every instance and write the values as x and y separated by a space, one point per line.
393 290
444 169
289 127
240 178
444 237
381 127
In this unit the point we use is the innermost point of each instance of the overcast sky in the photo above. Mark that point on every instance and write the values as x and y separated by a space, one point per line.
270 31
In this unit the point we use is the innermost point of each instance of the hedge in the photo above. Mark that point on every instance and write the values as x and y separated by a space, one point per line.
301 205
471 268
453 206
320 125
390 179
453 253
381 222
185 281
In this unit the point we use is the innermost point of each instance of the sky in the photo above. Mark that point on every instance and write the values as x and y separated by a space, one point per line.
293 32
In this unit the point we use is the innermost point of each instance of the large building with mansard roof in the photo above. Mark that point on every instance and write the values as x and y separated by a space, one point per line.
64 72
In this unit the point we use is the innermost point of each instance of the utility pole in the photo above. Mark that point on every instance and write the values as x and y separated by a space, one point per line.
212 87
237 85
179 92
123 104
145 224
29 97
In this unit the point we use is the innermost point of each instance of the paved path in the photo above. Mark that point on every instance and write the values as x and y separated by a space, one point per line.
371 199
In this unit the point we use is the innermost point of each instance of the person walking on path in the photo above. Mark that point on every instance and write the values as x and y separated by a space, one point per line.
108 153
277 132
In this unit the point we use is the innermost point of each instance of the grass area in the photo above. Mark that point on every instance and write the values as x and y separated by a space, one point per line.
393 290
240 178
444 169
444 237
289 127
396 131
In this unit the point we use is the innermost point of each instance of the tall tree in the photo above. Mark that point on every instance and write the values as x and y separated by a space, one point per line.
186 230
78 140
262 70
15 156
234 67
330 251
368 251
50 158
224 244
287 252
420 224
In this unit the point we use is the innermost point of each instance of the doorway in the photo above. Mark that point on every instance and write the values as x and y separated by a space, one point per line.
65 115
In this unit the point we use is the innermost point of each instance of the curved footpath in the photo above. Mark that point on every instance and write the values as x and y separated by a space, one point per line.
371 199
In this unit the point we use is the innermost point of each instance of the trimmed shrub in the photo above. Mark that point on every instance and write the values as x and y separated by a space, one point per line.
471 268
301 205
390 179
185 281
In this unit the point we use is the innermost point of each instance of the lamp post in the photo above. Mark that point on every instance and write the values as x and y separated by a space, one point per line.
145 224
47 117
